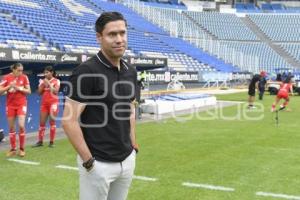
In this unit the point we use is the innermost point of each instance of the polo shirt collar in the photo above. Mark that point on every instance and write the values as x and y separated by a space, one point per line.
108 64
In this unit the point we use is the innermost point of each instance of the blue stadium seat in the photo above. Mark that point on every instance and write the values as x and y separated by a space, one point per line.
165 30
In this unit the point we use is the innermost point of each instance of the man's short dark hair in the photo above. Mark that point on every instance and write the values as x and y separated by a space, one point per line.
107 17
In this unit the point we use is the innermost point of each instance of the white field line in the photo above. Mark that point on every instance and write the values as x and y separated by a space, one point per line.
187 184
144 178
66 167
282 196
206 186
26 162
240 102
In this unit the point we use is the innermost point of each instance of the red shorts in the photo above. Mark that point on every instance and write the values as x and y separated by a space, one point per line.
14 111
283 94
50 108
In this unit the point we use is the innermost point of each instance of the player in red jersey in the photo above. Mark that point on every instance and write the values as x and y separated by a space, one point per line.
16 86
48 89
283 93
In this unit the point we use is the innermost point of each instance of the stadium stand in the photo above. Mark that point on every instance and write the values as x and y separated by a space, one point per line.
79 11
293 49
292 9
232 27
254 55
247 8
214 28
200 55
166 5
182 27
278 27
50 25
265 8
17 37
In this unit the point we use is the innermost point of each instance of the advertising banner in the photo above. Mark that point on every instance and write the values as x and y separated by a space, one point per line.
166 77
18 55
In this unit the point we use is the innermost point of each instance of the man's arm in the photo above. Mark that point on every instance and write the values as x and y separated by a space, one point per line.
256 85
132 126
71 126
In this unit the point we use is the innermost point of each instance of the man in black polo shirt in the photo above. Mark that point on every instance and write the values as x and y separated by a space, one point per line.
262 84
251 90
103 91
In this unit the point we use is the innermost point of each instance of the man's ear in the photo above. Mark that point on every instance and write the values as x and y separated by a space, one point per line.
98 37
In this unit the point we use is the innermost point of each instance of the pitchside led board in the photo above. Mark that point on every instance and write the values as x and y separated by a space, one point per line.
28 56
163 77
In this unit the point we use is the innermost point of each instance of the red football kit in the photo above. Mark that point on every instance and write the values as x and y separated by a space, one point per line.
16 103
284 90
50 100
49 104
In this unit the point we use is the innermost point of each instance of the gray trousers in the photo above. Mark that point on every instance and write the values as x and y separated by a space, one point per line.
107 180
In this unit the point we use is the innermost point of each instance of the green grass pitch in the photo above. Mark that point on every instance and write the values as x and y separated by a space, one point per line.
231 147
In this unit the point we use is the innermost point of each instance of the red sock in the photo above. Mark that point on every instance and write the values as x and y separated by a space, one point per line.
12 140
52 131
22 138
41 133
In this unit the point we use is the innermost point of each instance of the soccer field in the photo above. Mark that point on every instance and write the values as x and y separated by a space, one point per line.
237 152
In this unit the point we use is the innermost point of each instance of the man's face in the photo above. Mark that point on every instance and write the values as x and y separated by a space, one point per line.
113 39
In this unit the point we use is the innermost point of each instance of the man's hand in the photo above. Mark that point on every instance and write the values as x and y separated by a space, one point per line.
135 147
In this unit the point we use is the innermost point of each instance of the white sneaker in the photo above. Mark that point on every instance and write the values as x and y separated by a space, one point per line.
251 107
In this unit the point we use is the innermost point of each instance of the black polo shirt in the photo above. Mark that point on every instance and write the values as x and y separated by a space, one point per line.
253 81
107 93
